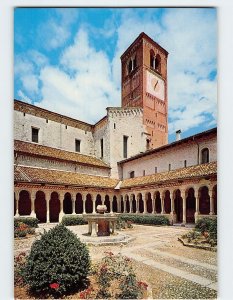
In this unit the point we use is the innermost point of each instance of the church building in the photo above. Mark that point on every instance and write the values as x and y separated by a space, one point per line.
63 166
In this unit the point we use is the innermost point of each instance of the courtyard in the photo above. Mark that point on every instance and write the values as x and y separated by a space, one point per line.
171 270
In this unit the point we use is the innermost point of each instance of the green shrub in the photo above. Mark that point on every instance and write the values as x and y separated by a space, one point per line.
147 220
209 225
21 229
73 220
30 221
57 264
19 264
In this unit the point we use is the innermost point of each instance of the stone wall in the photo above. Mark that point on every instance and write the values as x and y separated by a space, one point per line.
52 133
175 156
125 122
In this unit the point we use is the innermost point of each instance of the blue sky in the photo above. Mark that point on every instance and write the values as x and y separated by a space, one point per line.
68 60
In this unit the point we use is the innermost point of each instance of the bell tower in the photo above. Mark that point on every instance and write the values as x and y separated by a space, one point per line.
144 84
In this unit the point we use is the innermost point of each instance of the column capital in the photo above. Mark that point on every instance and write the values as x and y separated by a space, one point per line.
17 194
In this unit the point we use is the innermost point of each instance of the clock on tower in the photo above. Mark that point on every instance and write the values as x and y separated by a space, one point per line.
144 84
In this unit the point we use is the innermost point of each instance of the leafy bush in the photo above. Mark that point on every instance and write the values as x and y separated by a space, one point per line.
30 221
116 278
73 220
204 224
147 220
21 229
122 224
57 264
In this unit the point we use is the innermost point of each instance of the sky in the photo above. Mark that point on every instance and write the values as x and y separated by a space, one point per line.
67 60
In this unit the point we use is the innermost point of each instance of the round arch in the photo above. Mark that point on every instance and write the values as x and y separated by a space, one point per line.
79 204
24 204
41 207
54 207
67 204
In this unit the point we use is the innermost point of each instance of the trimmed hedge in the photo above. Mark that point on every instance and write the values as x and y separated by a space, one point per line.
57 264
147 220
73 220
30 221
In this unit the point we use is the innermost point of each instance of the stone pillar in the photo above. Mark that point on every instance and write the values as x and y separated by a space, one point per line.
196 195
153 204
61 198
93 204
130 204
124 204
73 198
182 194
111 200
84 202
211 194
137 205
17 203
162 196
172 207
47 198
93 228
144 199
119 204
33 198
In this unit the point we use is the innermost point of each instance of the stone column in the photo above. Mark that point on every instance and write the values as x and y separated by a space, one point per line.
137 205
33 198
124 201
196 195
130 204
172 207
73 198
211 194
93 203
182 194
111 200
119 204
162 196
153 204
84 202
61 198
47 198
144 199
17 204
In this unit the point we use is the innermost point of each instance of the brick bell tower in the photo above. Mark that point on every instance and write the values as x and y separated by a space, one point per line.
144 84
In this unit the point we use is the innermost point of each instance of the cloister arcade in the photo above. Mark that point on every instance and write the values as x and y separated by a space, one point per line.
181 204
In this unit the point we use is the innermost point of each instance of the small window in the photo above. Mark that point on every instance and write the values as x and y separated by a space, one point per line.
35 135
47 120
144 172
125 146
131 174
66 126
147 144
102 148
114 125
77 145
185 163
169 167
156 170
205 156
24 114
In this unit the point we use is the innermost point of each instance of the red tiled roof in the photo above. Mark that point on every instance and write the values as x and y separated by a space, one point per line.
54 153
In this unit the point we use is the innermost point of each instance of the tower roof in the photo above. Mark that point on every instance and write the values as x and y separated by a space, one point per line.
141 36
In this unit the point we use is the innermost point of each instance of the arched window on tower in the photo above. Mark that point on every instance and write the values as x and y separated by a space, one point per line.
204 155
132 64
155 61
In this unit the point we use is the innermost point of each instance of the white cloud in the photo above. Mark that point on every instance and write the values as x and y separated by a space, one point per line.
23 97
89 89
56 31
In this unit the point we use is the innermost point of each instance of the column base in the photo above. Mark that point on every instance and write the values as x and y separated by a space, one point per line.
61 216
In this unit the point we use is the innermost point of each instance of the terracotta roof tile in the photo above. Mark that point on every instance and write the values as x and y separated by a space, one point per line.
184 173
39 175
49 152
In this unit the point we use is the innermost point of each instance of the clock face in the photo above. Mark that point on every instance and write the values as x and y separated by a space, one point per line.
155 86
